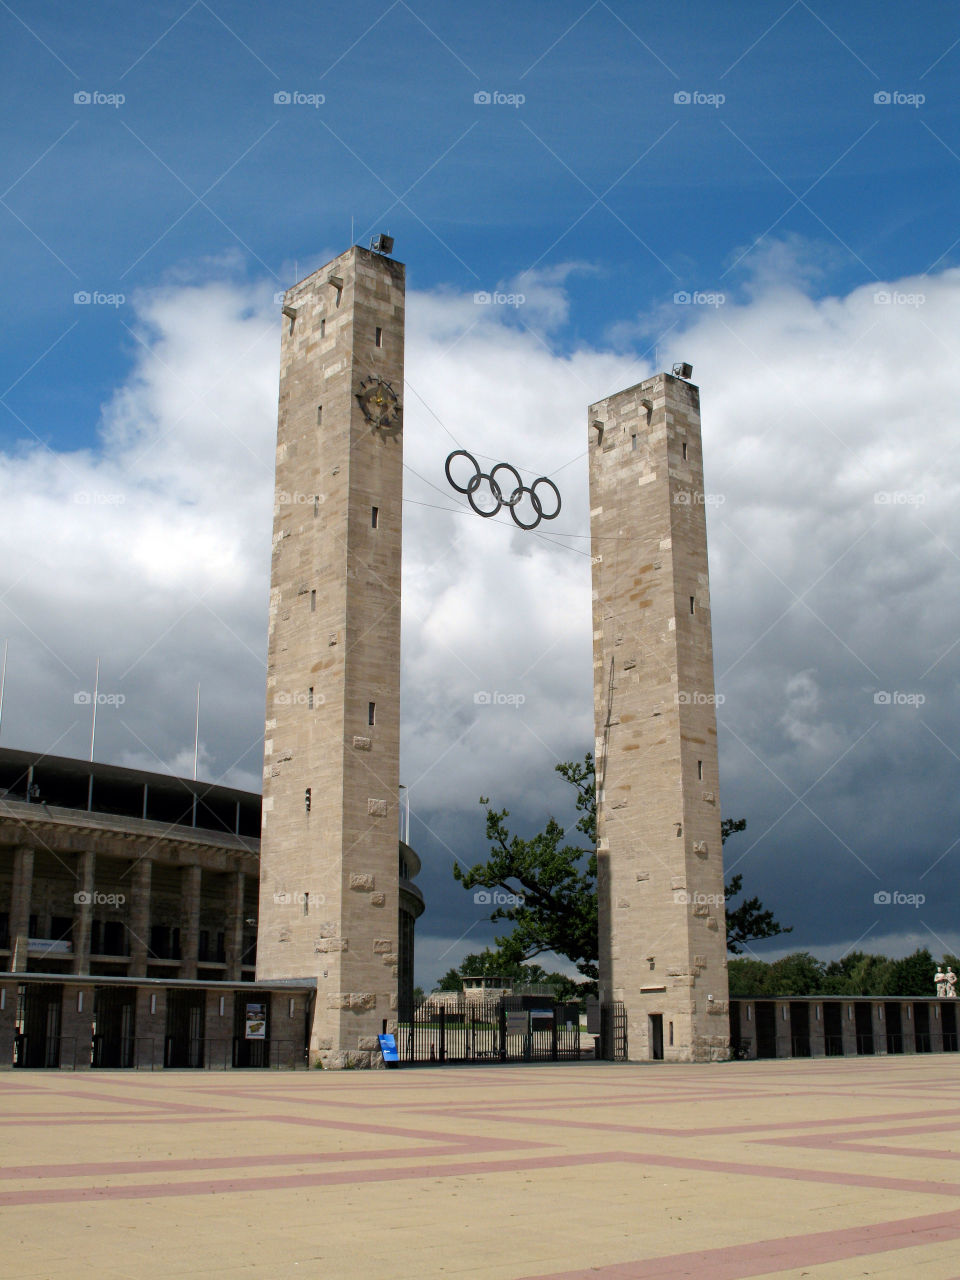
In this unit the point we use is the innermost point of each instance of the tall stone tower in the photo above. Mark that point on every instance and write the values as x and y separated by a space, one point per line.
330 851
660 868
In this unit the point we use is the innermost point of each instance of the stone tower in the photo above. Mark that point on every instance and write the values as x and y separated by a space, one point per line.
660 868
329 852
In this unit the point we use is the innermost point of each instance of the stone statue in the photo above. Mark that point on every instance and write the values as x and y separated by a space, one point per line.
951 984
940 978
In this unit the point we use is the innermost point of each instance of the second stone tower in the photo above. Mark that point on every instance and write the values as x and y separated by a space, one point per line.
660 867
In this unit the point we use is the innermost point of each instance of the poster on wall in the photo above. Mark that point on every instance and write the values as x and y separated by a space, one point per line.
256 1022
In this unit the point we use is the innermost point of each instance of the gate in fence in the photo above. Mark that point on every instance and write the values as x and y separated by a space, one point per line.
613 1032
503 1029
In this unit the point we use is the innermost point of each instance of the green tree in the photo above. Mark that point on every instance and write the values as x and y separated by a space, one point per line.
750 921
494 964
855 974
911 976
553 884
748 977
799 974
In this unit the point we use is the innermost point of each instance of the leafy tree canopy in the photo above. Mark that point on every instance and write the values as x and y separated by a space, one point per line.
855 974
546 888
494 964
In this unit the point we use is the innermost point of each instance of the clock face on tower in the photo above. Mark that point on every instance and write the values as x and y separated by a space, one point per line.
379 403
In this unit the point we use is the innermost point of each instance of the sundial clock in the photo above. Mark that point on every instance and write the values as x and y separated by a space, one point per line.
380 404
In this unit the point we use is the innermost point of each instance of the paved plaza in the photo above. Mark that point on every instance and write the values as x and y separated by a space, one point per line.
827 1169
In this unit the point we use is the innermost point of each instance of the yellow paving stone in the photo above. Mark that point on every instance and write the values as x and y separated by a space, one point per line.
735 1169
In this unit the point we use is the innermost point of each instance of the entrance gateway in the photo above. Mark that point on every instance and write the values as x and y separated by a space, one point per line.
329 865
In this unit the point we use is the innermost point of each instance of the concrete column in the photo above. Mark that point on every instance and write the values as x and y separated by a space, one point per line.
848 1026
909 1026
138 917
748 1028
288 1031
190 921
150 1027
76 1026
234 918
936 1028
818 1043
8 1022
218 1031
784 1039
20 907
83 911
879 1027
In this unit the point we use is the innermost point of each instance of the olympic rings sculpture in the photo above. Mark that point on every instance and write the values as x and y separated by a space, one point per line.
497 492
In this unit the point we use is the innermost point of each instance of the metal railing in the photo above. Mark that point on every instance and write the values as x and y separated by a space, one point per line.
109 1053
217 1053
46 1052
498 1030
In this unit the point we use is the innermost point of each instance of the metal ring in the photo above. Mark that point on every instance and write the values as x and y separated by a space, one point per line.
472 488
517 492
536 506
547 480
473 481
496 492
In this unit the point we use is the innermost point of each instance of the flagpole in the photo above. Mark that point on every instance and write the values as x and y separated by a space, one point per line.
3 675
196 738
96 694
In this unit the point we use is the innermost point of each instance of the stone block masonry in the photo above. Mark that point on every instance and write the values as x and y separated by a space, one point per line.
329 852
660 868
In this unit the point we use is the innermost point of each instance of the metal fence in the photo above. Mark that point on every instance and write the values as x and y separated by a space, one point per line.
504 1029
613 1032
45 1051
220 1053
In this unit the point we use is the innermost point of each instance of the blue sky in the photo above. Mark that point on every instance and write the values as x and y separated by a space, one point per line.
783 197
598 165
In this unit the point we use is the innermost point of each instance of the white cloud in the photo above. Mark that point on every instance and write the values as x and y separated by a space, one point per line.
150 548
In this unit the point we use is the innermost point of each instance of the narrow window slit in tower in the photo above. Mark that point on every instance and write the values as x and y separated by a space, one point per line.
379 336
633 442
684 450
699 770
306 904
371 713
691 604
313 602
323 328
316 505
374 517
319 415
310 697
